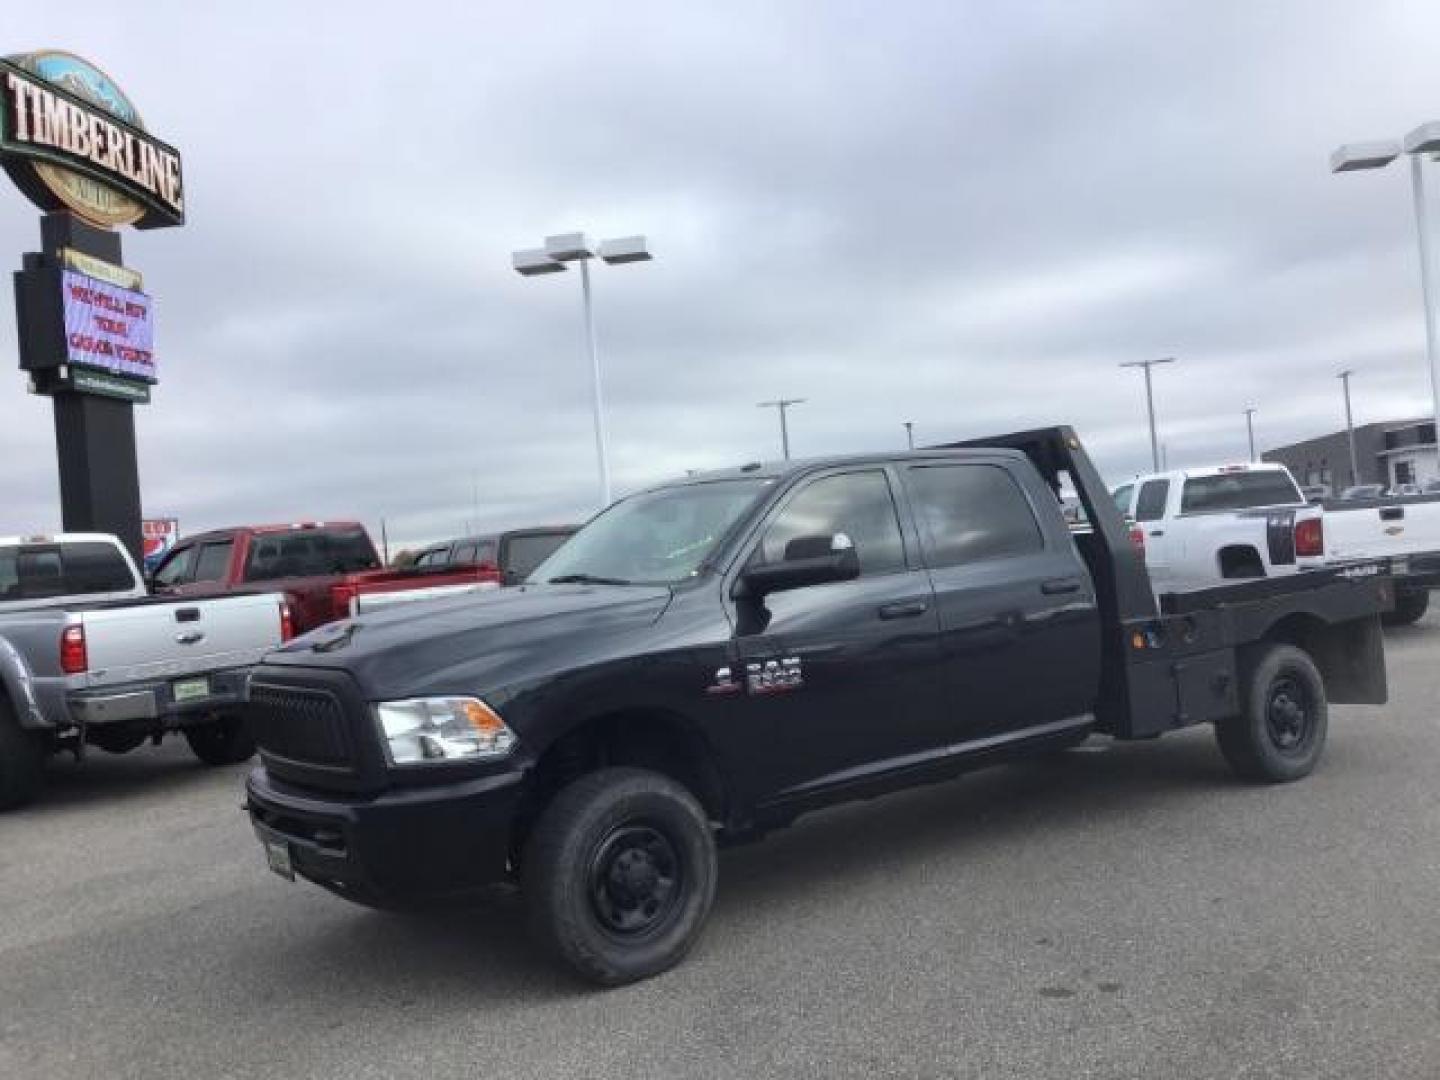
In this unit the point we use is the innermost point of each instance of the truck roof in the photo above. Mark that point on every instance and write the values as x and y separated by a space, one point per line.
261 530
59 538
776 470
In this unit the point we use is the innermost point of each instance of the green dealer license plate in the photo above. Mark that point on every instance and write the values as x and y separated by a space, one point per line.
190 689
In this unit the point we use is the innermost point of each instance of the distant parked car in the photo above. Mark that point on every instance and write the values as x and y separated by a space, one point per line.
1405 489
1432 487
1364 491
1315 492
510 556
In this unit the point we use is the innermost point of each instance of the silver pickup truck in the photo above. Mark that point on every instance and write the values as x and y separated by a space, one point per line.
88 658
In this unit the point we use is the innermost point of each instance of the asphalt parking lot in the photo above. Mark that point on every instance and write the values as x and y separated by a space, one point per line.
1120 911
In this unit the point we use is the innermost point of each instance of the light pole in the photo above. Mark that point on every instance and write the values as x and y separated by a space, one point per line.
910 434
1344 378
1150 403
551 259
1250 430
1424 140
780 405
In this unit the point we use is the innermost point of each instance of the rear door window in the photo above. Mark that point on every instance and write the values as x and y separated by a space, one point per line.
1150 506
972 512
213 562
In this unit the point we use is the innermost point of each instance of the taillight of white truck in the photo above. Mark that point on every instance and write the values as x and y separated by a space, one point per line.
73 658
1310 538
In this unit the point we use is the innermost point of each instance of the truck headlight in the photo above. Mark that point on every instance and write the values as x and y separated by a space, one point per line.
420 730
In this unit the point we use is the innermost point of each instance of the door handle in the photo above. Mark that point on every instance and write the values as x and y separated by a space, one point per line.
1055 586
1157 532
905 609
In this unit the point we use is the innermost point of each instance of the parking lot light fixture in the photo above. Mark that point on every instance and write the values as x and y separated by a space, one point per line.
1423 141
1150 404
782 405
575 247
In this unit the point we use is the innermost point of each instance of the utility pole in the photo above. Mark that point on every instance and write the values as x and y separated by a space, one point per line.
1344 378
1250 430
780 405
1150 404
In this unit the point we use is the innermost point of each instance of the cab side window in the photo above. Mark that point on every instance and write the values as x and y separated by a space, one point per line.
1121 496
1150 506
178 569
972 512
857 504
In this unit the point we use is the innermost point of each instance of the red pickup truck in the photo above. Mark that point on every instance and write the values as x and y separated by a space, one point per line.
326 569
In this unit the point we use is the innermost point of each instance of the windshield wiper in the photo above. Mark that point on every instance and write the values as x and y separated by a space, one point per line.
586 579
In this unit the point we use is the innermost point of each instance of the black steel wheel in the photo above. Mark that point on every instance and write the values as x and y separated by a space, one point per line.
1280 733
619 874
636 880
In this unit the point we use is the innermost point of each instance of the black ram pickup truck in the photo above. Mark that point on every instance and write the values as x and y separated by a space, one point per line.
709 659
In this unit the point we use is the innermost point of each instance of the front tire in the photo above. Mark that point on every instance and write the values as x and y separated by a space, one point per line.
619 875
1279 734
22 762
226 740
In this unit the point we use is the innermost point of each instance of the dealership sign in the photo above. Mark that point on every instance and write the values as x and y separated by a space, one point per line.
107 327
71 140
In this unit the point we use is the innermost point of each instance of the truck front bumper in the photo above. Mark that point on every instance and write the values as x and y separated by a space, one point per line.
156 700
400 847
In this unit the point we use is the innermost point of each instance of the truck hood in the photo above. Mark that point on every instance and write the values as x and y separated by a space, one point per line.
475 643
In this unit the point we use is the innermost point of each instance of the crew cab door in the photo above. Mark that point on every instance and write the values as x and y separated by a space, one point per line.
1019 626
846 672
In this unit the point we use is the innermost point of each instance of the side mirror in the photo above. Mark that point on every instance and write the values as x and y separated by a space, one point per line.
809 560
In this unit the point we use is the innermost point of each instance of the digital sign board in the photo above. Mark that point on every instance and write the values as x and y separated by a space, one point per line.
107 327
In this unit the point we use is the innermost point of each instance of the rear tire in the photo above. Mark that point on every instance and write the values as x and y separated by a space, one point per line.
22 762
226 740
1409 608
1279 734
619 875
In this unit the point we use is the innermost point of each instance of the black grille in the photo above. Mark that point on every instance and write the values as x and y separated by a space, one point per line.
306 726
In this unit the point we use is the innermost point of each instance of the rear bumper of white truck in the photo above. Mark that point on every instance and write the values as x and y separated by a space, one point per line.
174 701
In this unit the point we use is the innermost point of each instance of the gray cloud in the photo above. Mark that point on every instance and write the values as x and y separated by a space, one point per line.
963 215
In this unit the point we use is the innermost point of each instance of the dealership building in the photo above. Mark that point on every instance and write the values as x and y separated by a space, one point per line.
1397 452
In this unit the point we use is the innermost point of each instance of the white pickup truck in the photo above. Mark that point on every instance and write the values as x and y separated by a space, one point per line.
1201 527
88 658
1402 529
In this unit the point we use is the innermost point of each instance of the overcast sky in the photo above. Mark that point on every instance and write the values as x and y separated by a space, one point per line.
960 214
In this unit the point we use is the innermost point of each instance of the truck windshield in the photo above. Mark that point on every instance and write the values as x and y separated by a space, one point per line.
1239 491
657 537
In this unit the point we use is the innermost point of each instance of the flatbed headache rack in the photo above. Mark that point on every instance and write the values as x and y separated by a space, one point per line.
1183 662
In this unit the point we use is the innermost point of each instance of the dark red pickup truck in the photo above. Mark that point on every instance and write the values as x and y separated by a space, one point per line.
326 569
